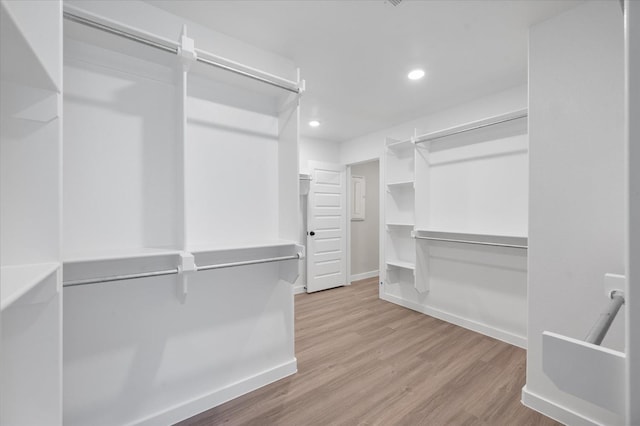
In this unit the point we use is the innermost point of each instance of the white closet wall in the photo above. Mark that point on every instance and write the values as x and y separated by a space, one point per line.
577 225
30 213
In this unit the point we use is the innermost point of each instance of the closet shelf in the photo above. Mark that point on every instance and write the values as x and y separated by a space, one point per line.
115 254
400 145
401 264
398 224
16 281
401 184
205 248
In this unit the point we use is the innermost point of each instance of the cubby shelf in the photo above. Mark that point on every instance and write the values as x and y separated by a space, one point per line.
401 264
408 184
18 280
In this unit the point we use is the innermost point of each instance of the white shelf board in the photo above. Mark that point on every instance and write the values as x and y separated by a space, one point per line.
401 184
112 254
16 281
401 264
411 225
204 248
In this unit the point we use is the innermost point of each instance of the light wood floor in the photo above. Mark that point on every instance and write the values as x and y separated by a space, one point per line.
364 361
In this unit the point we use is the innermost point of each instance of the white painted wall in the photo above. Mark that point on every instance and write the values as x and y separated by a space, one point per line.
317 150
365 234
576 228
311 150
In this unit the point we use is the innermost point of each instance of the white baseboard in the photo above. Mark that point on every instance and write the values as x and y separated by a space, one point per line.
299 289
363 276
555 411
197 405
505 336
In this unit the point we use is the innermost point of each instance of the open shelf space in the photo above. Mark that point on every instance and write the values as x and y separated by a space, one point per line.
120 169
19 280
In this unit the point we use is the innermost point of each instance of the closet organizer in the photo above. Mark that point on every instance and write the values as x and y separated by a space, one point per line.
180 222
456 224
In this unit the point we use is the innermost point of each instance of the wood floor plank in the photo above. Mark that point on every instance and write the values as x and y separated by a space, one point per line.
364 361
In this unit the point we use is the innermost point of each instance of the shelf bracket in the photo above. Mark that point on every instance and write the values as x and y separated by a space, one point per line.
186 268
186 50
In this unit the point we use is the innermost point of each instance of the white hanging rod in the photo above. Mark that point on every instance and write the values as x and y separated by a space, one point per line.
121 33
247 262
483 243
452 132
120 277
175 271
202 56
467 238
601 327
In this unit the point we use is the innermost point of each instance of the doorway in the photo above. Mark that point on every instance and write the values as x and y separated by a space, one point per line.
364 220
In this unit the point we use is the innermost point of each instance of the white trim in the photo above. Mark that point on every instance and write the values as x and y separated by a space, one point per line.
299 289
220 396
347 226
554 411
496 333
364 275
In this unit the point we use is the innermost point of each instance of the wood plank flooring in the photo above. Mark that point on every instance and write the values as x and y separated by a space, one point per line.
364 361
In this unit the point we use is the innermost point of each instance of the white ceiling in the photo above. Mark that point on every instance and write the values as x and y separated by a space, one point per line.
355 55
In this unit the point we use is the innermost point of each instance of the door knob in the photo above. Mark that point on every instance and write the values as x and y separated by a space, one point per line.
312 233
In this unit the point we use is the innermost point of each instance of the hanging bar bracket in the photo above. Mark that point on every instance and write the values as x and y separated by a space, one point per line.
186 268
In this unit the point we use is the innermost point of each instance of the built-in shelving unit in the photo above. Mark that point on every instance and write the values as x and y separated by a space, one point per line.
193 232
456 223
399 247
30 149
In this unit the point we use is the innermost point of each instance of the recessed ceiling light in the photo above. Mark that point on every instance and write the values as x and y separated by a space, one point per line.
416 74
314 123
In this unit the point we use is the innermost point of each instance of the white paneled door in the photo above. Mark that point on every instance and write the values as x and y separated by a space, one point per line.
326 227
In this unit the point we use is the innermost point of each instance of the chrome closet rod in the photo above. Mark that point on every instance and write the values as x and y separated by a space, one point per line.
102 27
119 277
174 271
601 327
246 262
480 126
483 243
172 49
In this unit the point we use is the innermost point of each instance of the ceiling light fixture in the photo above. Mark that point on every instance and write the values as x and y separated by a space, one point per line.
314 123
416 74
